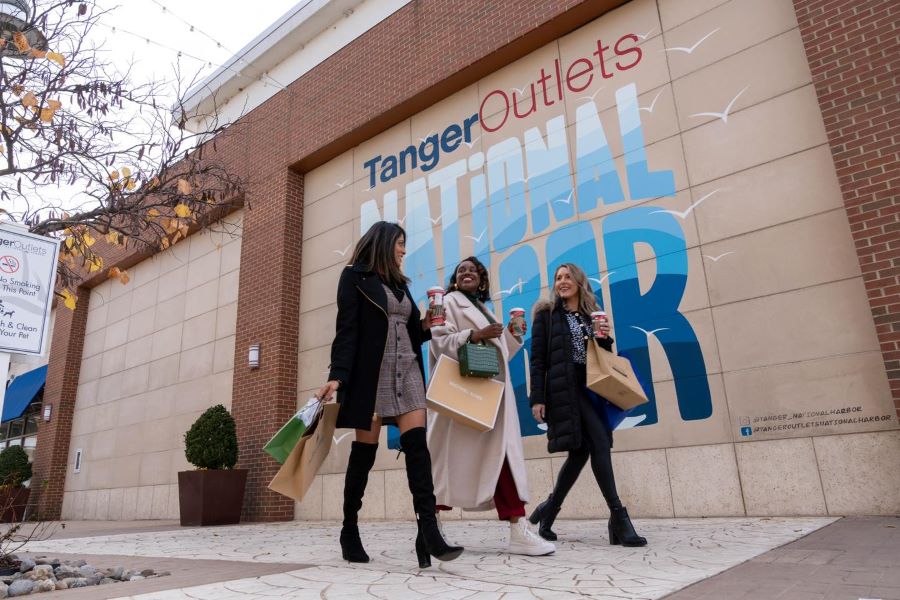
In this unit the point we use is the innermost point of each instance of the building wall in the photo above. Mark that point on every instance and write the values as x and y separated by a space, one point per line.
158 351
773 399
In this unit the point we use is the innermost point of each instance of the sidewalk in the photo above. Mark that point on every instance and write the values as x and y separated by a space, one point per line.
687 559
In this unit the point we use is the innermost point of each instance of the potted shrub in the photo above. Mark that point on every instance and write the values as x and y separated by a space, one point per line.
214 493
14 471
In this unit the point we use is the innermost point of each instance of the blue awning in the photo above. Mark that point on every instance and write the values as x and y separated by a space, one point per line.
22 391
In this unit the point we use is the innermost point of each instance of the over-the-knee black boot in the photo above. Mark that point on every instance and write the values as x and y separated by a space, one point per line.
545 514
362 457
621 531
429 541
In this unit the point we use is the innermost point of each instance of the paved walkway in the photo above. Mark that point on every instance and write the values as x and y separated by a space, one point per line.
689 555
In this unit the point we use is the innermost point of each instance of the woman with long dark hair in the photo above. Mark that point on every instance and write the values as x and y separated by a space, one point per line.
377 372
473 470
561 331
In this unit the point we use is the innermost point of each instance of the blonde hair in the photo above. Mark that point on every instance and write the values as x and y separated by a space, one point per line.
587 303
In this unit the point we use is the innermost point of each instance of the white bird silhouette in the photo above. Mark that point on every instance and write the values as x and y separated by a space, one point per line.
567 200
401 221
724 114
683 215
480 235
435 221
651 332
338 440
344 251
425 139
602 279
518 286
369 189
521 91
472 143
644 37
649 109
716 258
691 49
591 97
341 184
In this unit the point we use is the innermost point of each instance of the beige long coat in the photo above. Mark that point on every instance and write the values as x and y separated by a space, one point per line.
466 463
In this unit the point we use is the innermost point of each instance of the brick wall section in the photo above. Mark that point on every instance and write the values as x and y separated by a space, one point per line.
52 452
853 48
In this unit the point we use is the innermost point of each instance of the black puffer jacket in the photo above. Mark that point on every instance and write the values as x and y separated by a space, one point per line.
553 379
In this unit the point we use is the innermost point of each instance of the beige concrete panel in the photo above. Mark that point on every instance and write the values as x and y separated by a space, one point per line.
119 308
313 367
642 480
228 288
758 134
705 481
135 381
809 387
223 355
333 487
116 335
226 321
671 430
179 460
142 324
203 269
398 503
194 394
202 243
162 435
540 480
201 299
320 288
333 247
772 68
584 500
675 12
109 388
90 368
155 468
82 422
805 324
738 25
93 342
166 341
222 388
317 327
90 505
535 447
113 362
160 505
387 143
859 473
310 509
144 297
86 394
783 190
129 504
163 372
172 283
131 410
144 272
320 182
144 502
198 331
780 478
337 209
174 509
130 438
120 471
169 312
116 502
102 505
231 254
798 254
480 515
96 318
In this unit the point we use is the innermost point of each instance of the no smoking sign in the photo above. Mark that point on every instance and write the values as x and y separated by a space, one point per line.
9 264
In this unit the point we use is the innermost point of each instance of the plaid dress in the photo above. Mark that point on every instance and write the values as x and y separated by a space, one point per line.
400 386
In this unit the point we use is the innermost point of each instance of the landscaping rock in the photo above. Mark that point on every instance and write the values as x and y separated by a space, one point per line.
137 578
45 585
66 571
116 572
20 587
107 580
76 582
87 571
26 565
3 590
62 585
40 572
148 572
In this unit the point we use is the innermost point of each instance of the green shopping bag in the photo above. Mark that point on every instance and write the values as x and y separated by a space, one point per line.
281 444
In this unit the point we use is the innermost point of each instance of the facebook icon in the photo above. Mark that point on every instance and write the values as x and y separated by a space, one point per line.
745 431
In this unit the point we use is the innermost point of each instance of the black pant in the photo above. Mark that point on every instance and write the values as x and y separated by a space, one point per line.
596 444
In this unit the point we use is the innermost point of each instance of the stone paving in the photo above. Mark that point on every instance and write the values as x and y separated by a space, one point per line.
681 552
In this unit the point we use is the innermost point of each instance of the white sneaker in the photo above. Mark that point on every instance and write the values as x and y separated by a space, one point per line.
522 540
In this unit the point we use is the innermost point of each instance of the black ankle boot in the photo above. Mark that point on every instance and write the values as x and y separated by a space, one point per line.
429 541
362 457
545 514
621 531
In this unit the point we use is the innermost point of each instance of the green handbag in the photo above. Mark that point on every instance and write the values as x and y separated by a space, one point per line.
478 360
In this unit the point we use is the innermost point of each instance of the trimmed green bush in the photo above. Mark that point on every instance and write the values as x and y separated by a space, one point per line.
211 442
14 466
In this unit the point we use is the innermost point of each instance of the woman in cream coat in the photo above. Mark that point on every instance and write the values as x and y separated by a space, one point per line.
475 470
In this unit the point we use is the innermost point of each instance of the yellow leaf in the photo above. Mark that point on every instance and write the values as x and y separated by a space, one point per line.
130 185
124 278
114 272
113 237
88 239
164 243
152 213
70 242
29 100
47 115
17 89
35 53
184 187
114 176
21 42
69 299
57 58
96 264
182 211
126 172
176 237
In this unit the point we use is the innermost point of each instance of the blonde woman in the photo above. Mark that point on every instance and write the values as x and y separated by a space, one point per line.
561 331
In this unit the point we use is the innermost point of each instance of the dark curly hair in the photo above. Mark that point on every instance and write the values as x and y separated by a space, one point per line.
483 293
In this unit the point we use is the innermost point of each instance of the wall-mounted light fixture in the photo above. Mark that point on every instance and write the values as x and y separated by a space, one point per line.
48 409
253 356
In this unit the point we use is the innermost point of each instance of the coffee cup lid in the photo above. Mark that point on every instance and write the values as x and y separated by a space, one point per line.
598 313
517 309
436 288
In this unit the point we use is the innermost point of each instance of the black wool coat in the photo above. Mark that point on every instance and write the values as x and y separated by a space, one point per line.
359 343
554 382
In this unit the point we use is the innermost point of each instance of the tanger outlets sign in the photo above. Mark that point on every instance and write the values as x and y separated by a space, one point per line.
27 278
503 199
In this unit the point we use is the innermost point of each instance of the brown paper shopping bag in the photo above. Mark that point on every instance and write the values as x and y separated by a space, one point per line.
472 401
612 377
302 464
